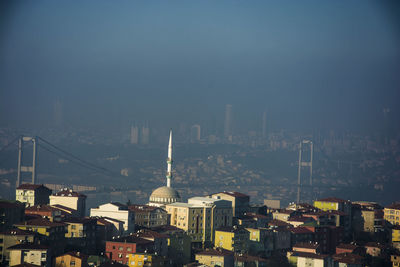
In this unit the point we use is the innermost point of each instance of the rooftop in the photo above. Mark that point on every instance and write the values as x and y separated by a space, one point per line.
300 230
16 231
395 206
234 194
142 208
306 245
348 258
279 223
309 255
231 229
39 222
68 193
332 199
28 246
347 246
215 252
131 239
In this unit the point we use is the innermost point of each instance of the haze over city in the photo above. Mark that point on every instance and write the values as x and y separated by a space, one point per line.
199 133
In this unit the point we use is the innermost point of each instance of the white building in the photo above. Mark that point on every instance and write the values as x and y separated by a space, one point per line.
70 199
116 211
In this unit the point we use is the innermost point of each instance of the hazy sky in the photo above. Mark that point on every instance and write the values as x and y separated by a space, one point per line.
326 63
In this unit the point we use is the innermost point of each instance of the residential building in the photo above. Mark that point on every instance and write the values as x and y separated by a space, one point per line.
343 210
30 253
307 247
118 211
47 211
327 236
82 234
301 235
10 238
232 238
52 232
160 241
145 259
72 259
244 260
283 215
110 227
304 259
396 236
119 249
374 249
200 217
348 260
32 194
179 244
70 199
149 216
395 259
367 217
346 248
261 241
216 257
240 201
392 213
10 213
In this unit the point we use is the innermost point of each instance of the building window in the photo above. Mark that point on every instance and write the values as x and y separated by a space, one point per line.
72 263
120 248
120 255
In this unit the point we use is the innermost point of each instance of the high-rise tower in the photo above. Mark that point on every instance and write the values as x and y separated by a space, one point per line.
145 134
134 135
228 122
264 124
195 133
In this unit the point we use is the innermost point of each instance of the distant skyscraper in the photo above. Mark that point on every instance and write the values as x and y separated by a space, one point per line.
134 135
228 122
57 112
145 135
195 133
264 124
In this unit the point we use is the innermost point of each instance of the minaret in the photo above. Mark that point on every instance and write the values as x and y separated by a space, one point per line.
169 160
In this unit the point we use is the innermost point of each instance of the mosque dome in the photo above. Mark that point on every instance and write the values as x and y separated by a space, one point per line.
164 195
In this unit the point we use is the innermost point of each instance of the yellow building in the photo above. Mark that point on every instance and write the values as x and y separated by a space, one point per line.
32 194
396 234
216 257
232 238
144 259
200 217
71 259
392 214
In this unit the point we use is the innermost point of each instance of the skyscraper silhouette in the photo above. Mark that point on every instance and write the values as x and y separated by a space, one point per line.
134 135
228 122
264 124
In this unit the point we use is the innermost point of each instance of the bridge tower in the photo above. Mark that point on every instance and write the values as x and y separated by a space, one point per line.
21 168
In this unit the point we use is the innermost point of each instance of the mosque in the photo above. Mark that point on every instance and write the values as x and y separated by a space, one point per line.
165 194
